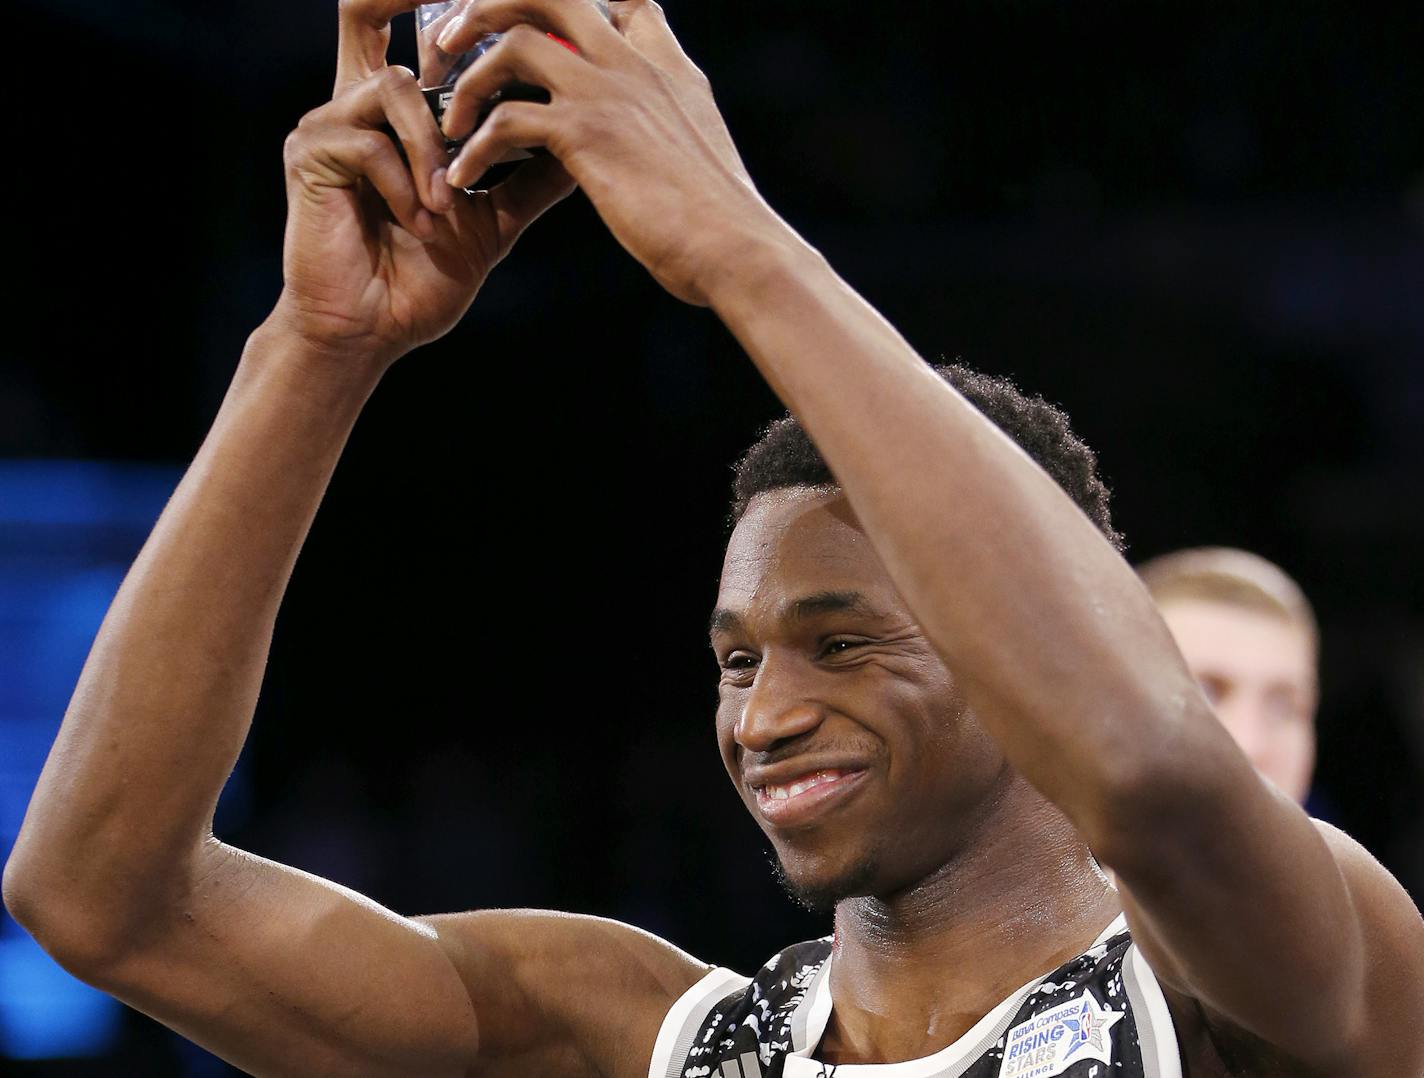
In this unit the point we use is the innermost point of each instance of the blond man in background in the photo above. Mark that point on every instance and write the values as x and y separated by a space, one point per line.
1250 638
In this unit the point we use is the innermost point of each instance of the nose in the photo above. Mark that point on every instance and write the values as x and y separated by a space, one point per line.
780 706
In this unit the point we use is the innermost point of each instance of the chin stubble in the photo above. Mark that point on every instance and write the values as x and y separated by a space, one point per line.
822 896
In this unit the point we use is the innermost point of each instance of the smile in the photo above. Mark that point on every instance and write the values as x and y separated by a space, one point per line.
807 797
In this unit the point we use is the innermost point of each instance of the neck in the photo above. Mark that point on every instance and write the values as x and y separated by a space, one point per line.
916 969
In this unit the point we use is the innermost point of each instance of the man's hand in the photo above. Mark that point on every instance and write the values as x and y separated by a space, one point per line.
631 119
381 253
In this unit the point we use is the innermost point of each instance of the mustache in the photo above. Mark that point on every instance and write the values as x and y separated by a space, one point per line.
807 745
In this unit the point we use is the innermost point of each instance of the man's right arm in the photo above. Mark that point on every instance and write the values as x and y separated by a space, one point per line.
116 870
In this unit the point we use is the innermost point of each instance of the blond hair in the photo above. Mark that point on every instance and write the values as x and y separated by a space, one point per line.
1221 574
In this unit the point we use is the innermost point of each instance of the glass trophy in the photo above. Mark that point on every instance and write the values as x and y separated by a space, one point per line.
439 71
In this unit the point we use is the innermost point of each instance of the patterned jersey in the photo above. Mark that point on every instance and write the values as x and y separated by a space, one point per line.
1100 1015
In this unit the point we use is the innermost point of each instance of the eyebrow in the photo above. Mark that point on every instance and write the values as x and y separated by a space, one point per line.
803 609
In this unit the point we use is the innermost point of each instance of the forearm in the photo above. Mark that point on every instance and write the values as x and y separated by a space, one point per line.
1038 617
166 697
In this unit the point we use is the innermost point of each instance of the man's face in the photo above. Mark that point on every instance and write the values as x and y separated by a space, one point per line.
838 723
1258 671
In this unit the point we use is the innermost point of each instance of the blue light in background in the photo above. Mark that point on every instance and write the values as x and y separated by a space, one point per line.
68 531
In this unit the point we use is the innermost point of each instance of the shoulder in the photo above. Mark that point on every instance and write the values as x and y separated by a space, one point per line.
778 985
1382 903
782 980
793 966
547 985
725 1017
1388 1038
1392 936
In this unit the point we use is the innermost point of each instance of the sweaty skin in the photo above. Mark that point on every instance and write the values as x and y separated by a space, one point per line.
1002 697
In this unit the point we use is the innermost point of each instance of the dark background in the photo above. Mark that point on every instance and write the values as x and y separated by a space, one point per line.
1198 228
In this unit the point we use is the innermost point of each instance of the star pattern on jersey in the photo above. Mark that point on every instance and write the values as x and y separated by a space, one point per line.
1089 1027
1050 1042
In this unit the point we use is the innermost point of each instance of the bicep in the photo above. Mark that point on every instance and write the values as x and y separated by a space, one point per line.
561 993
280 972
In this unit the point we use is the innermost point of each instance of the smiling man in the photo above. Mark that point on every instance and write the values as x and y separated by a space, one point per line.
941 685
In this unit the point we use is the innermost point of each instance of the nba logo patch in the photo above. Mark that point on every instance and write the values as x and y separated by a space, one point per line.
1051 1042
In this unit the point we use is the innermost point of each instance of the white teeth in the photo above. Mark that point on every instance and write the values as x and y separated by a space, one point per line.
800 786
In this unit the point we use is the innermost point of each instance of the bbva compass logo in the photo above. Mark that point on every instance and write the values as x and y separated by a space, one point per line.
1049 1043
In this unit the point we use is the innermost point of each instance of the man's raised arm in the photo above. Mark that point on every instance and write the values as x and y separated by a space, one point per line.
1284 931
1288 934
116 870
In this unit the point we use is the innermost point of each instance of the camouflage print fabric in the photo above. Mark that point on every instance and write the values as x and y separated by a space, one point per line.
1100 1015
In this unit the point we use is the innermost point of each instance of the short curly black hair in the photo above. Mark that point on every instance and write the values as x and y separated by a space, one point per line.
784 456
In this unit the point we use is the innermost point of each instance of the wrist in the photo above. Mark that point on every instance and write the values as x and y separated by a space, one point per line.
278 358
754 265
283 335
327 341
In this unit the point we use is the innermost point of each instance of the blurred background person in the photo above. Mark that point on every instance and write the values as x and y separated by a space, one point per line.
1250 637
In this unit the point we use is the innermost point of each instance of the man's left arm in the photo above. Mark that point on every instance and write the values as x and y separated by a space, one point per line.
1281 928
1237 898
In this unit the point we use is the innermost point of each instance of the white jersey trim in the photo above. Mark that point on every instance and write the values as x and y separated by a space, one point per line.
685 1017
948 1062
1156 1034
944 1062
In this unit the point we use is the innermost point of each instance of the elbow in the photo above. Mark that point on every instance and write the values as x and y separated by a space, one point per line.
74 932
21 901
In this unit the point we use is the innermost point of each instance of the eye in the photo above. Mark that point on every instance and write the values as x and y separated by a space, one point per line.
739 660
839 646
1215 688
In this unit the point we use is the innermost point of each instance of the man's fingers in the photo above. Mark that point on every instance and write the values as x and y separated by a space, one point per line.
578 22
645 26
410 117
392 97
341 157
523 55
364 33
513 125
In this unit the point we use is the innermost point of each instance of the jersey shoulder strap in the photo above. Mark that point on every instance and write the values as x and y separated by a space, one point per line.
701 1030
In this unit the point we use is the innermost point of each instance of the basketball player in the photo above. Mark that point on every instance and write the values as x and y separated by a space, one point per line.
940 684
1249 637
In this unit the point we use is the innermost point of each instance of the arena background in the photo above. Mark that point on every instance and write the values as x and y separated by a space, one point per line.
1197 228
